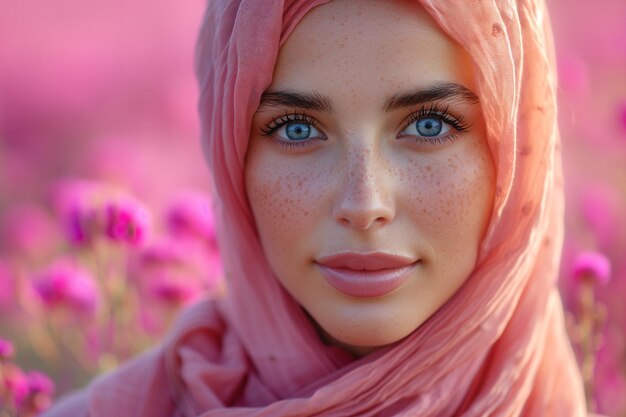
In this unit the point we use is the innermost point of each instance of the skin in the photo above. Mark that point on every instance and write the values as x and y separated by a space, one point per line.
366 180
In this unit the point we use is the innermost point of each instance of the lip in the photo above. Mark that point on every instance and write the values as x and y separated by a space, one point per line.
365 275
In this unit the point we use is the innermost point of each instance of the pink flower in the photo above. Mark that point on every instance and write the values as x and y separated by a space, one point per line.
79 204
39 383
189 214
592 265
83 224
93 210
64 284
6 349
127 220
15 383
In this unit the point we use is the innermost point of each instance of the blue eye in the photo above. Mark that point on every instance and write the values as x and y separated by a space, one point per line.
427 127
293 130
298 131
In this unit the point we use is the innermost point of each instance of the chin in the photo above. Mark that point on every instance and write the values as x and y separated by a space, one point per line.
366 332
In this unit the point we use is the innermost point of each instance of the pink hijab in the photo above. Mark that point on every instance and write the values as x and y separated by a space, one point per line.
497 348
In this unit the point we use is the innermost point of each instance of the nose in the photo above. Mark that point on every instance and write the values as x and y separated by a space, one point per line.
365 199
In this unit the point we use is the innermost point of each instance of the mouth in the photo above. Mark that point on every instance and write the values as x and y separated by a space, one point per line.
366 275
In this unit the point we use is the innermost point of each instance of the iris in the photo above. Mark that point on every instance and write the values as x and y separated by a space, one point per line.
429 126
298 131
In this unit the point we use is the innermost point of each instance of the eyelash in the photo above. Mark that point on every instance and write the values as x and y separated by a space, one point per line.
434 111
281 121
441 113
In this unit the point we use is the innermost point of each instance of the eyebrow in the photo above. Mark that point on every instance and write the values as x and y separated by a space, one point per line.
308 101
316 101
435 92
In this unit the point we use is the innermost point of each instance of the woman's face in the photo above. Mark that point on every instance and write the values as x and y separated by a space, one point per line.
368 170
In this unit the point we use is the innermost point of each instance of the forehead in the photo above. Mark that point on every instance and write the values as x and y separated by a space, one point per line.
382 44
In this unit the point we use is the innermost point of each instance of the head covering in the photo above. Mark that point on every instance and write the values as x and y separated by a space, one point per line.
496 348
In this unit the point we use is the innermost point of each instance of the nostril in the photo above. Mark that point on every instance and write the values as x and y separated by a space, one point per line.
363 220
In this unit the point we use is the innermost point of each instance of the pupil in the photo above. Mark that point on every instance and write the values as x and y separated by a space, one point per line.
429 127
298 131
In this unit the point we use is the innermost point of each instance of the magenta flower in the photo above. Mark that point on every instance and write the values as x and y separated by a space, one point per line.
83 224
39 383
127 221
66 285
79 204
592 265
189 214
92 210
6 349
15 383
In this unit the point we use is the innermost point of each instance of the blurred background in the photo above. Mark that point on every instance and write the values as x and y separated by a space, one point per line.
105 225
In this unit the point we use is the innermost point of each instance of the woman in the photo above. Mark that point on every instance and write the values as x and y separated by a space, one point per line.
387 175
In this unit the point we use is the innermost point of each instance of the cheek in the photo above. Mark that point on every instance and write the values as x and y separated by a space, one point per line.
451 198
285 200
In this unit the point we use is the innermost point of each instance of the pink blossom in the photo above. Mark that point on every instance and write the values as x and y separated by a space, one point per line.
64 284
84 223
92 210
16 384
39 383
189 214
79 204
594 265
6 349
127 221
